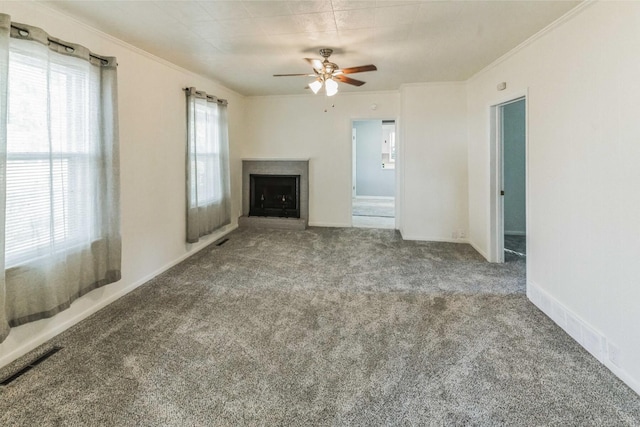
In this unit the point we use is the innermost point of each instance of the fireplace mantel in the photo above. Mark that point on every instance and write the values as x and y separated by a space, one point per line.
275 167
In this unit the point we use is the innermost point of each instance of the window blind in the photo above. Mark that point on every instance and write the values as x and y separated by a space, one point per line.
50 163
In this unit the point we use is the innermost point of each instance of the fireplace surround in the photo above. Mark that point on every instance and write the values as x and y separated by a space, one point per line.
282 177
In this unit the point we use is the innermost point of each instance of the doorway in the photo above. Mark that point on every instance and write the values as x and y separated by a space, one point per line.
509 176
374 154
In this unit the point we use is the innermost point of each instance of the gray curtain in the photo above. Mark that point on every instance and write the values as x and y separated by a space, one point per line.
208 188
59 174
5 22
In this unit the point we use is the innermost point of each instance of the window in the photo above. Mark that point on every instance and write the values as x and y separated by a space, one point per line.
51 166
59 183
208 194
206 162
388 144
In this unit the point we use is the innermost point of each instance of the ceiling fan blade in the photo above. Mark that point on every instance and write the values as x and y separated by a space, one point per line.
290 75
348 80
315 63
360 69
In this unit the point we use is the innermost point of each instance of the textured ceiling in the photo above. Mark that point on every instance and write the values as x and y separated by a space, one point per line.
242 44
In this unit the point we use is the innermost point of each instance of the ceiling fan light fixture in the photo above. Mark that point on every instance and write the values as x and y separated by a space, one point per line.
331 86
315 86
328 74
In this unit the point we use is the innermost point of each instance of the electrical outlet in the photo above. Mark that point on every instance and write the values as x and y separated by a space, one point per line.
462 234
614 354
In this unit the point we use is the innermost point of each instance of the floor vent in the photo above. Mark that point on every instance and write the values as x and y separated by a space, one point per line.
31 365
222 242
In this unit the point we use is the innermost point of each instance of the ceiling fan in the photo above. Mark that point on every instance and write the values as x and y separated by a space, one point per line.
329 74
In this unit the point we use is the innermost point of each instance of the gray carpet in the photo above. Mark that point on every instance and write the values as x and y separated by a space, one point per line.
348 327
373 207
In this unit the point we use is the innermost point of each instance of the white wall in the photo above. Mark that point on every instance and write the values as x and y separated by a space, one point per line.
433 158
371 178
298 127
584 152
152 146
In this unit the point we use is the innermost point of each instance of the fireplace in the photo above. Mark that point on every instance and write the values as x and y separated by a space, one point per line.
274 195
264 184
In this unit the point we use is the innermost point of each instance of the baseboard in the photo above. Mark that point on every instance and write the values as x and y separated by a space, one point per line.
578 329
432 239
479 250
376 197
624 376
581 331
515 233
49 333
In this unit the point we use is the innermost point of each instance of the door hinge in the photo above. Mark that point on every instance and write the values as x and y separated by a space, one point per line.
502 192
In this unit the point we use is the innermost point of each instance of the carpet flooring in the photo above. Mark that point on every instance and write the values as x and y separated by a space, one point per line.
373 222
344 327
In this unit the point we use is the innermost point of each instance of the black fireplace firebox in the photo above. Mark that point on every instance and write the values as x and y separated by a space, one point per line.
275 195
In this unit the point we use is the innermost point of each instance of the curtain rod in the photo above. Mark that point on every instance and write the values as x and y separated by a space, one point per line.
218 100
24 32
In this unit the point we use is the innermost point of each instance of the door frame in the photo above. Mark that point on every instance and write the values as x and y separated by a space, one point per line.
398 169
496 160
354 175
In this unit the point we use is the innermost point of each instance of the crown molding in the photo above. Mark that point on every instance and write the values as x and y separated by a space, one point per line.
132 48
543 32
